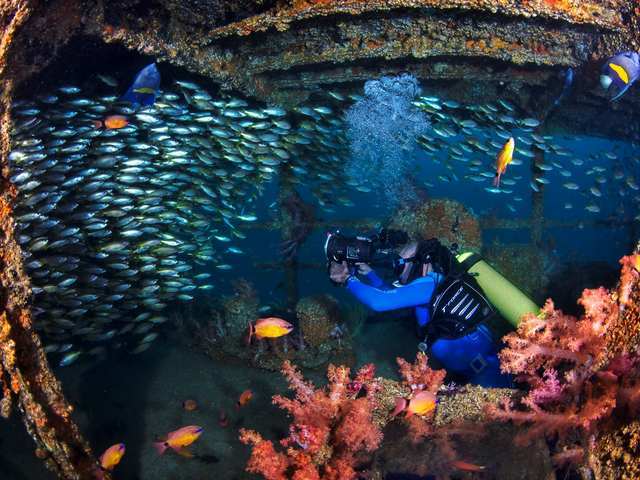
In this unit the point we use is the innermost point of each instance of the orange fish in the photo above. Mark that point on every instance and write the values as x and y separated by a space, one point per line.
467 467
422 403
113 122
503 159
270 327
112 456
244 398
179 439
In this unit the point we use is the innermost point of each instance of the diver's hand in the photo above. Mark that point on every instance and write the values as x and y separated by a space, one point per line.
363 269
339 272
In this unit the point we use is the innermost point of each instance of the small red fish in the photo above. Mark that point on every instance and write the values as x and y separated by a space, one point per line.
179 439
270 327
467 467
400 406
244 398
223 420
112 122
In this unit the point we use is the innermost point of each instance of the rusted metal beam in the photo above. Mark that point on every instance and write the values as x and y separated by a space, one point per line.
513 47
486 223
601 14
26 380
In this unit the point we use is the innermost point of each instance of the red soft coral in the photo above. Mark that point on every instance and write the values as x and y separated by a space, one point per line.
264 460
628 278
330 426
575 387
419 376
357 432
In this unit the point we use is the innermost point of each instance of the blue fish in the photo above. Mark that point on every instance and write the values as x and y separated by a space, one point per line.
566 87
144 88
619 73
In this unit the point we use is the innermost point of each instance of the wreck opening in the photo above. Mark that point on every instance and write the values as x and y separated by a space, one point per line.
246 159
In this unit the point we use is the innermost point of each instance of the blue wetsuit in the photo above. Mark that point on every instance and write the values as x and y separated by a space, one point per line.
473 355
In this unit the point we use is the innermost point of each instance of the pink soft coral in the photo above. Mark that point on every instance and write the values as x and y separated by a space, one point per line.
330 426
575 387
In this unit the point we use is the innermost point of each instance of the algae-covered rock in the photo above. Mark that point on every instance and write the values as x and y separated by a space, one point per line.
318 317
240 309
447 220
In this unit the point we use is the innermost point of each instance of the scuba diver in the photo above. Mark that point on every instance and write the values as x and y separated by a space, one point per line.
453 315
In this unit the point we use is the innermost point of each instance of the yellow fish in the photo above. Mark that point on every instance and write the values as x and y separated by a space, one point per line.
503 159
179 439
112 456
422 403
270 327
110 459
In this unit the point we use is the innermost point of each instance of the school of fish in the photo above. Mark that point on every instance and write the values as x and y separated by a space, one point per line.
124 211
466 140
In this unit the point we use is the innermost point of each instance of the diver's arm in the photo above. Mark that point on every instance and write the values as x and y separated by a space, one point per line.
416 293
374 280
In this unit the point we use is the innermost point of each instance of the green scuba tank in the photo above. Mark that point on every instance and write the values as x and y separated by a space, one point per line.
507 299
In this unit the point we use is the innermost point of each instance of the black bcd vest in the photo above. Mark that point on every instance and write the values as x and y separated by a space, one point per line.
457 307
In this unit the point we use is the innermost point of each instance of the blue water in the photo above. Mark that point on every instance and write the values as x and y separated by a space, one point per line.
135 398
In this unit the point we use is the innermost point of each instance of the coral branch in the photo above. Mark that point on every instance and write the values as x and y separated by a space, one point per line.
419 375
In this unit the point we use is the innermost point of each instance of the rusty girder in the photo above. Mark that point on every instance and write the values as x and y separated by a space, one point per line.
26 380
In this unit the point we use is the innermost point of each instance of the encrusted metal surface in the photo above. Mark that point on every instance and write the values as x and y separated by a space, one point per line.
460 48
26 381
319 34
607 14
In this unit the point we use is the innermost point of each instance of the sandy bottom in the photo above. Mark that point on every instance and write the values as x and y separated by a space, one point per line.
134 399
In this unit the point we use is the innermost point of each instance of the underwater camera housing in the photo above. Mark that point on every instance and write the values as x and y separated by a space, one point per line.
373 249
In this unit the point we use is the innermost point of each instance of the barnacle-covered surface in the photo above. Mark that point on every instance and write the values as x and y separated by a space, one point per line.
460 425
617 453
239 310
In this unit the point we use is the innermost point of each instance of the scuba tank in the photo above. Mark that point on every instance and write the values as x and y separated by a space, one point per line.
505 297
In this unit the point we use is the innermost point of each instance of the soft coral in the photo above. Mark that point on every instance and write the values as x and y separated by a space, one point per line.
576 384
330 427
